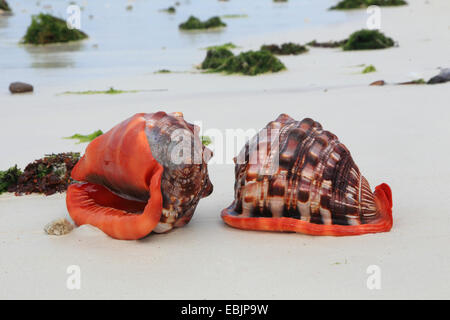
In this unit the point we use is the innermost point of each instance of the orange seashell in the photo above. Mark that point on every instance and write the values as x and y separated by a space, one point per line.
129 185
298 177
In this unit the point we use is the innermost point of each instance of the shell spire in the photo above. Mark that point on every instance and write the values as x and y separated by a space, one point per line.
295 176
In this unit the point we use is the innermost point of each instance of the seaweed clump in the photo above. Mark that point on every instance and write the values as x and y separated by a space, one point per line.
9 178
249 63
163 71
357 4
288 48
328 44
171 10
45 29
194 23
215 58
368 39
48 175
4 6
252 63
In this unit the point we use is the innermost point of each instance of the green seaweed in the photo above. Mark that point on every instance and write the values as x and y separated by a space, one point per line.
4 6
45 29
288 48
328 44
358 4
206 141
163 71
369 69
42 170
368 39
194 23
109 91
171 10
251 63
9 178
215 58
85 138
228 45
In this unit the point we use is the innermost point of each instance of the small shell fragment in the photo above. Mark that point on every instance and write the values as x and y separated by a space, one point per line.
58 227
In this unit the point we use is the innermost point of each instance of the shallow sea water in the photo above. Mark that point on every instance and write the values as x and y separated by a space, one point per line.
144 39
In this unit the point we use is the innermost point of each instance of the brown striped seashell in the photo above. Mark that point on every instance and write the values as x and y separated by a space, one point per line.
298 177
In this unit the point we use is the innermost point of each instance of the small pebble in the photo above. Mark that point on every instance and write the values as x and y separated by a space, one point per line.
20 87
442 77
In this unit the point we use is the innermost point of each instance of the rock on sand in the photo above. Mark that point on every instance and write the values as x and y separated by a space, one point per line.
20 87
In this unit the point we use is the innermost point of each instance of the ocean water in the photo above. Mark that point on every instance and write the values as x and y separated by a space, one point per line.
141 40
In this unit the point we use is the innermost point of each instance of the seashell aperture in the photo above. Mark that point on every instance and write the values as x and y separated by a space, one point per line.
298 177
130 184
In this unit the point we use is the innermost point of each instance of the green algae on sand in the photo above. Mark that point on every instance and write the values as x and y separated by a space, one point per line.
249 63
171 10
215 58
8 178
288 48
85 138
367 39
163 71
109 91
358 4
328 44
194 23
46 29
369 69
252 63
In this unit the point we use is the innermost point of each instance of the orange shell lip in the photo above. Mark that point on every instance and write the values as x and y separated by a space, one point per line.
118 217
383 196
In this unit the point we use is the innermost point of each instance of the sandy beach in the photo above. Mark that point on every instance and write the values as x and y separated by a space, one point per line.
396 134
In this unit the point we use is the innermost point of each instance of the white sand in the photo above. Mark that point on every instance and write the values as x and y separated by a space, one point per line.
397 134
